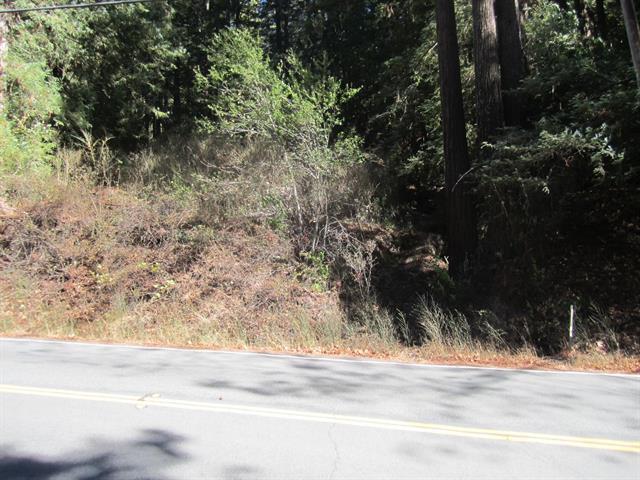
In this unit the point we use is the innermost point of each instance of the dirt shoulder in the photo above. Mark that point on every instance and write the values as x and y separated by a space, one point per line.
110 265
576 362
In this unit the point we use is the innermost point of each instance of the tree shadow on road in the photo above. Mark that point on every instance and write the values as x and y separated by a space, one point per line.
144 457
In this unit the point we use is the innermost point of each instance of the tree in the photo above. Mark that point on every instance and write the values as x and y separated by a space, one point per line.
461 220
579 7
512 63
281 20
601 20
633 34
489 109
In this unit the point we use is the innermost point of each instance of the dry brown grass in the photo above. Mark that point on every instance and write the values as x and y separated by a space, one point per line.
106 263
118 265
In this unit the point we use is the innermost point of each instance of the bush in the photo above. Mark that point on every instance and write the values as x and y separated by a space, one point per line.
250 99
289 165
532 177
558 204
27 139
558 219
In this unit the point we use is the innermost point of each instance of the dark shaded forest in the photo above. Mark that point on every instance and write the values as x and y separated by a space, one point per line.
444 171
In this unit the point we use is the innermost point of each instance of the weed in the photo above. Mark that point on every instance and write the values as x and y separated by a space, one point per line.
163 289
596 333
100 158
217 261
102 277
443 328
315 270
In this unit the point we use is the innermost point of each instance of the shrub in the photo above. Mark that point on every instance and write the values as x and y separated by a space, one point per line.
250 99
440 327
27 139
289 165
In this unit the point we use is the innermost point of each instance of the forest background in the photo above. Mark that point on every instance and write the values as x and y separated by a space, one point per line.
271 174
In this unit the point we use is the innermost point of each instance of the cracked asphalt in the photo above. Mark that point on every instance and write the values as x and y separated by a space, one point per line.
80 411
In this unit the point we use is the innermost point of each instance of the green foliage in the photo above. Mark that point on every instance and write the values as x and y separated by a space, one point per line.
27 137
269 112
249 98
315 269
278 221
581 82
542 183
557 197
556 48
114 66
531 179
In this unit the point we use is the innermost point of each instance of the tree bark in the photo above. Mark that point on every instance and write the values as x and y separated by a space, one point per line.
489 109
278 21
285 30
633 34
578 6
461 220
238 13
511 54
601 20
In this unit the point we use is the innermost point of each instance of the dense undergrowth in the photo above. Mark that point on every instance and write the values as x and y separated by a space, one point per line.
212 265
230 193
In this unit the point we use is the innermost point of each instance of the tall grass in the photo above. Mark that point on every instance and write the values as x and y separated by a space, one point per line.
440 327
217 256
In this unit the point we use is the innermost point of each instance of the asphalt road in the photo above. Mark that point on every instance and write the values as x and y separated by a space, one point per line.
109 412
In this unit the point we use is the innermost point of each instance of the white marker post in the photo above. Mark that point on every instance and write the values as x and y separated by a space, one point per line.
571 321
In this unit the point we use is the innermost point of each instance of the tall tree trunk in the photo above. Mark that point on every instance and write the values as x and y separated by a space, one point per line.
461 221
238 13
285 30
601 20
523 16
278 20
511 54
489 109
633 34
578 6
523 13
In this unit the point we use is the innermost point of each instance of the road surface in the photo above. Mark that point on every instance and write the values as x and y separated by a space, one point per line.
84 411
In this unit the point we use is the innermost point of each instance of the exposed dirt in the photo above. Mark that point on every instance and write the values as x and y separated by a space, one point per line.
568 363
108 265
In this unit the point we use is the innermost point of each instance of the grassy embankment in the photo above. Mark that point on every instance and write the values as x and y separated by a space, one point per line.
138 265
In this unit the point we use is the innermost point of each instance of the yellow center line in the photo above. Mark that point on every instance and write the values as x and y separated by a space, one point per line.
429 428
